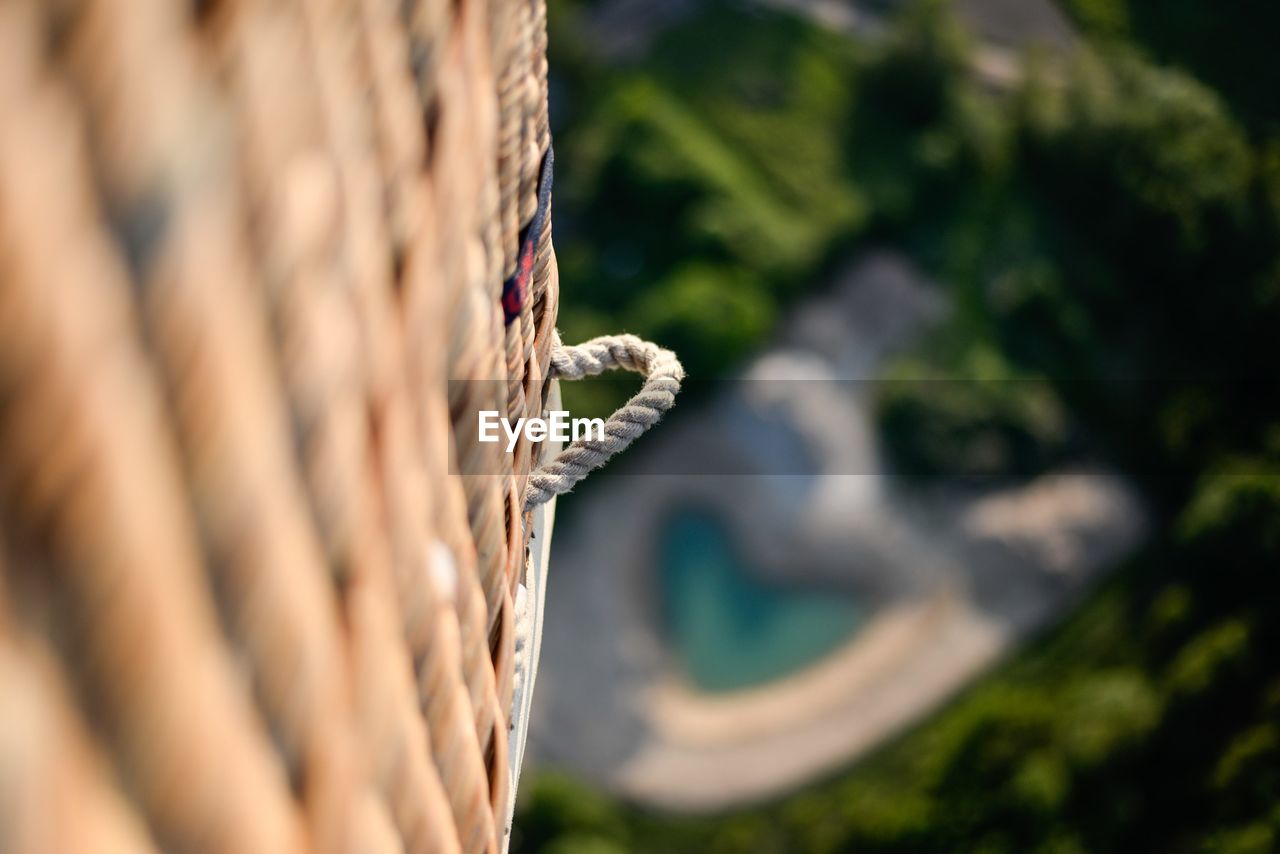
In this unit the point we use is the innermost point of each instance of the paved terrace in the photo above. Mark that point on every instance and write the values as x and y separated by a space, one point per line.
953 580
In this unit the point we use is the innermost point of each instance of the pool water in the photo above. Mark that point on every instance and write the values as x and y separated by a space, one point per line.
731 630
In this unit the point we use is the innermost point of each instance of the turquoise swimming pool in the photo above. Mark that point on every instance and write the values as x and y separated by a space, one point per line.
730 630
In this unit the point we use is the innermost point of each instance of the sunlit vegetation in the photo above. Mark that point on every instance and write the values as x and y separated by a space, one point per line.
1109 235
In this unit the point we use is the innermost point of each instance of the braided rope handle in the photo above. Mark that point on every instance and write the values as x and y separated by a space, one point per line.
662 372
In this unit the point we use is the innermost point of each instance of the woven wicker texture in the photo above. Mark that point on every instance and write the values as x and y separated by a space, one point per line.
255 585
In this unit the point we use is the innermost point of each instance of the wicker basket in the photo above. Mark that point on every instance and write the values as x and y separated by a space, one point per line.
256 586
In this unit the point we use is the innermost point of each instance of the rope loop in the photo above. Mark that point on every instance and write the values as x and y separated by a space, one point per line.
662 372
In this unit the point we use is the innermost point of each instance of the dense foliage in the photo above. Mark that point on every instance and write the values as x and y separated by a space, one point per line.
1110 235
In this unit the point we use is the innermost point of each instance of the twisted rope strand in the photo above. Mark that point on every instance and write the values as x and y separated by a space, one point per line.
662 372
